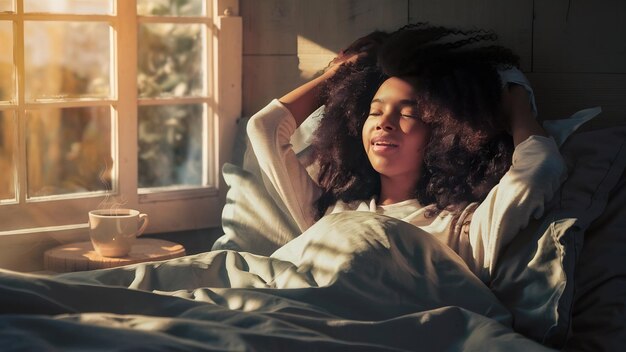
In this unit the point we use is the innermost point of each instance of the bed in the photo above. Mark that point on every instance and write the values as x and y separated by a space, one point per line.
354 281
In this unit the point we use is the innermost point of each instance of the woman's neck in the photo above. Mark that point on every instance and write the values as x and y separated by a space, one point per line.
396 189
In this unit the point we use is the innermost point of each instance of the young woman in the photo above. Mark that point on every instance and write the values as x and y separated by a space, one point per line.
417 126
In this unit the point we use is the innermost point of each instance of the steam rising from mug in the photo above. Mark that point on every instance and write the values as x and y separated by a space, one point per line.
109 202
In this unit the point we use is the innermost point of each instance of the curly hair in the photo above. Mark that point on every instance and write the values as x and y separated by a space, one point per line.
456 76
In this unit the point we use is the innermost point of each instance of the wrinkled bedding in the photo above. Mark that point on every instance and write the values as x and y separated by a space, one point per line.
353 282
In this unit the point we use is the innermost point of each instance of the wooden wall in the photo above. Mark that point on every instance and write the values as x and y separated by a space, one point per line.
573 51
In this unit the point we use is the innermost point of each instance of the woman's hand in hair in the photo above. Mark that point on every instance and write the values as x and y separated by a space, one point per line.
518 111
341 60
364 48
305 99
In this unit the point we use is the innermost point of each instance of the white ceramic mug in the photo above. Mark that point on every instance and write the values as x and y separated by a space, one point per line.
113 231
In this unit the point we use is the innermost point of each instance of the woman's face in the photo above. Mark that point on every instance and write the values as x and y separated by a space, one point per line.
394 135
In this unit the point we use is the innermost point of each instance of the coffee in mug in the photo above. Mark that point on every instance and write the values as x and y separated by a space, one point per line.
113 231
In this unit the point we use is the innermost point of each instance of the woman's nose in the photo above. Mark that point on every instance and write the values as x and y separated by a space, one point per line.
386 122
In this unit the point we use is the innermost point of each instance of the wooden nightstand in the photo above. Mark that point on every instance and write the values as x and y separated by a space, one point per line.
81 256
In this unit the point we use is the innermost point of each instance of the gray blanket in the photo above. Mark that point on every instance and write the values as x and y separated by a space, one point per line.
353 282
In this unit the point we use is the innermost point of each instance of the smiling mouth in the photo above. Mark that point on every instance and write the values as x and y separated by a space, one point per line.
384 144
382 147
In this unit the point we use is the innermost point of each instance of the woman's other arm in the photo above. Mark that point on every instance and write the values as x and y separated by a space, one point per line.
536 173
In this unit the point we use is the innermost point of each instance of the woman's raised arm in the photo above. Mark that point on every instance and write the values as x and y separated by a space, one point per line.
305 99
270 131
536 173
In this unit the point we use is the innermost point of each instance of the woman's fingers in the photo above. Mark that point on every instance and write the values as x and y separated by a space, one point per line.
344 59
361 48
515 100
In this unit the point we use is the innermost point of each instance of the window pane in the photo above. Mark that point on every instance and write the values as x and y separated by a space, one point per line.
8 140
170 60
68 150
86 7
67 60
171 7
170 145
6 6
7 68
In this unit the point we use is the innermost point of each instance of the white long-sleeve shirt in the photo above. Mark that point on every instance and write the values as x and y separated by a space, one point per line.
536 173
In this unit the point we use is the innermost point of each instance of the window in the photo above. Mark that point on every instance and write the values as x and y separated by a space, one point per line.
116 103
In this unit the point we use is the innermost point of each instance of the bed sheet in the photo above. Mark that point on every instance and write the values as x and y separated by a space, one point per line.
353 282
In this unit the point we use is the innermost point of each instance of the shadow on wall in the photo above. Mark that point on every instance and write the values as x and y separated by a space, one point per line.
287 42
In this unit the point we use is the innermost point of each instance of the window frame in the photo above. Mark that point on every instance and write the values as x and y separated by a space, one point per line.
169 209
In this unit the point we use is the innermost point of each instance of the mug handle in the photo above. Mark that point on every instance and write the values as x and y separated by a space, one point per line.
143 217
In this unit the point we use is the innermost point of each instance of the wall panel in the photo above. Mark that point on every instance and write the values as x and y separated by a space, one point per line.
559 95
269 27
580 36
576 50
512 20
286 42
268 77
